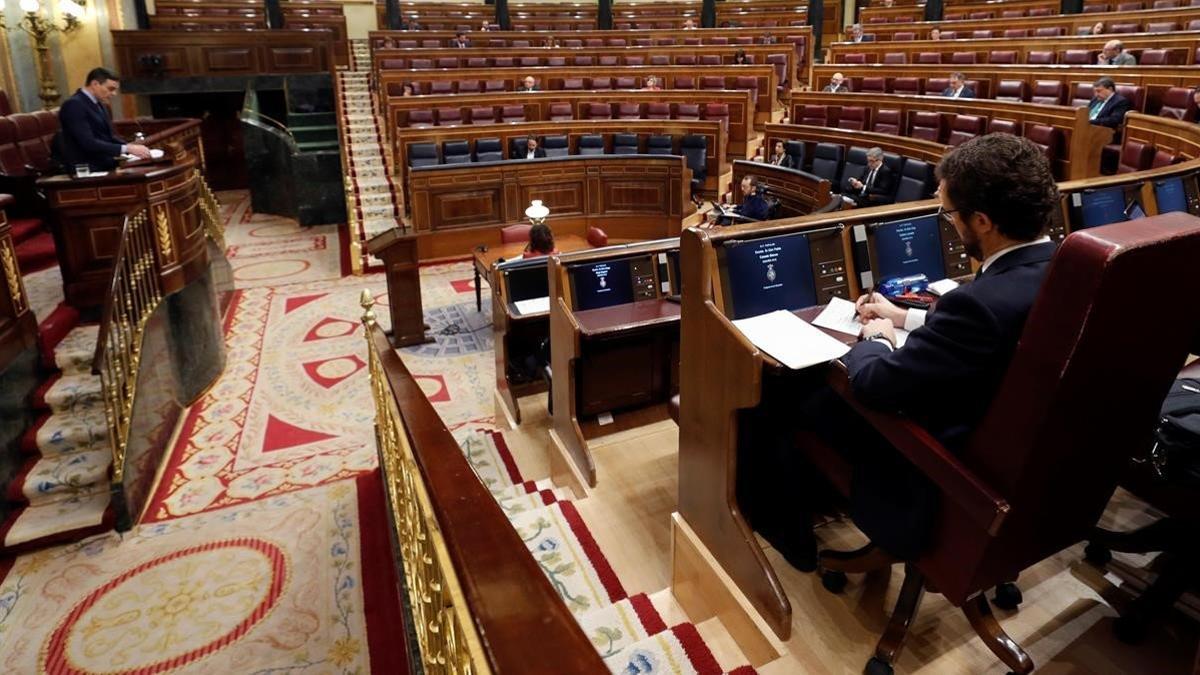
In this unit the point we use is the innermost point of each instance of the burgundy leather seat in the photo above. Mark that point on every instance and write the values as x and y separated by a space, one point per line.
999 126
1177 103
1040 57
1049 139
1002 56
1082 94
629 111
895 57
1135 94
657 110
597 111
512 113
1135 156
687 111
467 86
626 83
872 84
600 83
963 58
887 122
853 117
483 115
718 112
1052 92
559 112
449 116
964 128
420 118
1079 57
926 125
929 57
572 84
814 115
1012 90
906 85
441 87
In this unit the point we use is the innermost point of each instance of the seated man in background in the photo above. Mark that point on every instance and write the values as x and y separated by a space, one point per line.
86 133
532 151
529 84
997 192
875 186
1114 54
935 34
1107 108
837 84
856 34
958 87
689 24
754 206
460 41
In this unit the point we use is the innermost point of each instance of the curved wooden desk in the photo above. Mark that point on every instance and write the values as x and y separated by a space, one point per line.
926 151
1070 23
799 193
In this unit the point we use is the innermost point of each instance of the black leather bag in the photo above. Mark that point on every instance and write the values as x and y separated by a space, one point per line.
1175 456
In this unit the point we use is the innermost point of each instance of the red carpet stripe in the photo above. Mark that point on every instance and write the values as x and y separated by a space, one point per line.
697 652
510 464
604 570
650 618
382 613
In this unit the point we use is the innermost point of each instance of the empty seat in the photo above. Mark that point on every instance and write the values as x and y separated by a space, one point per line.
626 83
982 34
660 60
572 43
556 60
925 125
999 126
853 117
512 113
495 85
572 84
420 118
659 144
712 82
608 60
583 60
1012 90
591 144
449 116
1002 56
854 58
421 64
441 87
629 111
597 111
1135 156
717 111
904 36
1134 94
593 42
1177 103
657 110
643 42
1052 92
559 112
1160 57
963 57
625 144
1016 32
555 146
1081 94
468 86
916 179
451 62
1012 14
600 83
827 161
1079 57
871 85
906 85
814 115
887 122
685 60
1040 57
687 111
929 57
488 150
1042 11
965 127
710 59
635 60
1129 6
1048 31
1164 158
749 84
1048 138
456 152
895 57
976 16
422 154
483 115
616 42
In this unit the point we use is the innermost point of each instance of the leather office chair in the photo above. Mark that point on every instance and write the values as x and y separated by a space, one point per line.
512 113
853 167
660 60
418 118
904 36
1048 138
422 154
597 111
854 118
928 57
687 111
1164 158
999 126
795 152
965 127
441 87
683 82
1135 94
495 85
659 144
887 122
600 83
983 34
694 149
1051 92
718 112
915 182
964 58
657 110
1177 103
910 86
1016 32
1161 57
1002 56
513 234
895 57
685 60
1012 90
607 60
449 116
870 85
712 82
926 125
1079 57
629 111
814 115
556 61
456 152
488 150
1040 57
591 144
854 58
749 84
1122 28
583 61
483 115
1048 31
1072 403
1160 27
468 86
625 144
555 146
710 59
1135 156
572 84
827 161
559 112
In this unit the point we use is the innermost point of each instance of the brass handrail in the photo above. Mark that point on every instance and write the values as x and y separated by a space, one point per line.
134 294
210 212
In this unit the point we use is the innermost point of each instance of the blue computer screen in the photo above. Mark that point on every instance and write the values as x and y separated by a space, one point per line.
1170 195
602 284
907 247
764 275
1102 207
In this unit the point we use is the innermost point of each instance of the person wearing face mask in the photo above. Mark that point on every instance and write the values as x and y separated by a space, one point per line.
86 134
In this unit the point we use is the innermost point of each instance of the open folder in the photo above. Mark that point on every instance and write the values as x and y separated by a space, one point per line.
790 340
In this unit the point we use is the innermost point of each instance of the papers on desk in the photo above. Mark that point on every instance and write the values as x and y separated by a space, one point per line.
839 315
532 305
942 286
790 340
155 153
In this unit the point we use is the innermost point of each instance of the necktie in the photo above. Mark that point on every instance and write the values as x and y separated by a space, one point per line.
1096 107
867 183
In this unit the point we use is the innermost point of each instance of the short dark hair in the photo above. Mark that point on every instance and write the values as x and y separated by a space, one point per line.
1106 82
1005 176
541 238
101 75
755 181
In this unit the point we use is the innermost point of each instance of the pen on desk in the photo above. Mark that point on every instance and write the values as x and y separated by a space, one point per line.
866 295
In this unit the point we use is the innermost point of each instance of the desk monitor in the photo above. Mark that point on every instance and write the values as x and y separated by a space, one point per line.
526 280
1101 206
614 281
789 271
1177 193
923 244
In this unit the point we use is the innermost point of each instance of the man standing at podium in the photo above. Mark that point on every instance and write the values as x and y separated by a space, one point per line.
86 133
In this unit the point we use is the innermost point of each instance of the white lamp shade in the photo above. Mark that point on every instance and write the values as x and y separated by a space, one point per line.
537 210
30 5
71 8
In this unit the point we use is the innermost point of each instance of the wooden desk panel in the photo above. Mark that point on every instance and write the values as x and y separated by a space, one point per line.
1082 141
213 54
456 207
759 53
550 78
926 151
1069 22
799 193
334 25
622 318
1182 43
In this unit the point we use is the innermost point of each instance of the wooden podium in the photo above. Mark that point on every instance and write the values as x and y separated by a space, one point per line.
87 215
398 251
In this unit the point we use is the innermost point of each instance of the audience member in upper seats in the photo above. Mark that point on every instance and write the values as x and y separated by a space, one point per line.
532 151
889 3
529 84
997 192
689 24
86 134
935 34
874 186
652 83
837 84
1097 29
767 39
1114 54
856 33
754 205
460 41
778 156
739 58
1107 108
541 241
958 87
406 89
485 27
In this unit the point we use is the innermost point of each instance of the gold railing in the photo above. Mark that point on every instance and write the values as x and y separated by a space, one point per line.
445 633
210 212
135 292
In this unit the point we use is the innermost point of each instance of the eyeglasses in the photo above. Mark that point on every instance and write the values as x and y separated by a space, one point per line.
944 215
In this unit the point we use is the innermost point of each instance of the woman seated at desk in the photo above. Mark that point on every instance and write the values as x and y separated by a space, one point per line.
541 241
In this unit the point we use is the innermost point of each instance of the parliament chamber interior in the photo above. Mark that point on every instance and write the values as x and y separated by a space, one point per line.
688 336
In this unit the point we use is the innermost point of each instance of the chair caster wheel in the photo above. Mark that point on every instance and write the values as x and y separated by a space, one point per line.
1007 597
1129 630
877 666
1097 554
835 582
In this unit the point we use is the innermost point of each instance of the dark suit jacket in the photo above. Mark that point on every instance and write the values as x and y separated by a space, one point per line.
535 88
880 192
1113 112
754 207
86 134
967 92
843 87
540 152
944 378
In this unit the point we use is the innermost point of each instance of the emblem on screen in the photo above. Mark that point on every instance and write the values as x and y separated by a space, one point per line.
770 272
603 283
908 251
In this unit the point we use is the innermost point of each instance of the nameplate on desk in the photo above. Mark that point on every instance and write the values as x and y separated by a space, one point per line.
790 340
532 305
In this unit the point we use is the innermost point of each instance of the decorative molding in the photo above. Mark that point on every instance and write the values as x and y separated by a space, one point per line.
12 275
163 226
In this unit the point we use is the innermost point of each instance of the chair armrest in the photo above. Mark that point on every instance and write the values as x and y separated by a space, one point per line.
978 500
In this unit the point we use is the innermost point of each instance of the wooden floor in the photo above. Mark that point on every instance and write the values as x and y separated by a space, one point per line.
1064 622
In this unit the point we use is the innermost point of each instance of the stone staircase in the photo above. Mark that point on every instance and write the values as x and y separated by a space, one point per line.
641 633
62 490
372 200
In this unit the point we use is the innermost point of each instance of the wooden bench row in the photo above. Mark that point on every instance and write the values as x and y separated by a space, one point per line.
1069 24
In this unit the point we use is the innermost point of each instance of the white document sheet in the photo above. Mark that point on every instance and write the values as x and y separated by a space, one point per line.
791 340
839 315
943 286
532 305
